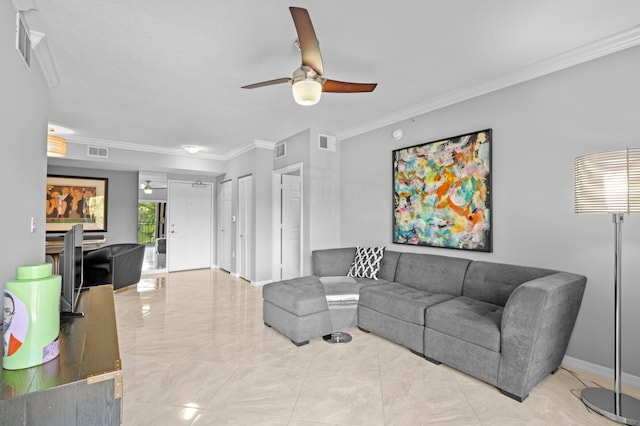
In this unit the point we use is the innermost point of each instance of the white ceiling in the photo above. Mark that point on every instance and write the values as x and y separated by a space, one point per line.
167 73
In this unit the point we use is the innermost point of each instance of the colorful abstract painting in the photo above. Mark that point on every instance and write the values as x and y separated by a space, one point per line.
442 193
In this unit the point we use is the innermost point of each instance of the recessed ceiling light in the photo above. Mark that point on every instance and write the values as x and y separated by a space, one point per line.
191 149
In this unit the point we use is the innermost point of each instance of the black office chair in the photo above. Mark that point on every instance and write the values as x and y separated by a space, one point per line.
117 264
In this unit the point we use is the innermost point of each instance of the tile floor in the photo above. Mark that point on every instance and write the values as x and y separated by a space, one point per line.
195 352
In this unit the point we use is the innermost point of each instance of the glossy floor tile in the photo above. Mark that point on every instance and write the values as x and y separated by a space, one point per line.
195 352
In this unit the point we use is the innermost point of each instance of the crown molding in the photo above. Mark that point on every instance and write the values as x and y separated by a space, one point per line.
84 140
603 47
40 46
24 5
257 143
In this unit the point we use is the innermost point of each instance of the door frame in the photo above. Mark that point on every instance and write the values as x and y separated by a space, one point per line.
276 265
219 227
240 258
211 188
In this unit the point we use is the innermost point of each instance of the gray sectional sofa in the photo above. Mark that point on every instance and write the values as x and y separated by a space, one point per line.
507 325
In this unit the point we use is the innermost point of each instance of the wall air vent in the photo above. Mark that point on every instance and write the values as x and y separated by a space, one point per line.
97 151
327 143
280 150
23 40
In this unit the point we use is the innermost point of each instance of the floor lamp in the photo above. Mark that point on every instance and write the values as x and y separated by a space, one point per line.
609 182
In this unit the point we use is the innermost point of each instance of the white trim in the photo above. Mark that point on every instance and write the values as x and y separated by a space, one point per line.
257 143
606 46
41 48
84 140
276 210
24 5
627 379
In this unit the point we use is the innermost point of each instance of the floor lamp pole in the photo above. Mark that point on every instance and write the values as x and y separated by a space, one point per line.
614 404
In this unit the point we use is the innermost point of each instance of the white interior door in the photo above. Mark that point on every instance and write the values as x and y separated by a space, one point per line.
291 248
224 231
189 233
245 195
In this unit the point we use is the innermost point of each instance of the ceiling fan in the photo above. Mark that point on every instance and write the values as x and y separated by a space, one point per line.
147 188
308 81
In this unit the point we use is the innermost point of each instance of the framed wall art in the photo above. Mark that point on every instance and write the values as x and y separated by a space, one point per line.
72 200
442 193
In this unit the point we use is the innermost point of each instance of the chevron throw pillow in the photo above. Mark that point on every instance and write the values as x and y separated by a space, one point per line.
366 263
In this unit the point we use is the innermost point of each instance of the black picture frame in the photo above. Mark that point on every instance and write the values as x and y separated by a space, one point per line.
81 200
442 193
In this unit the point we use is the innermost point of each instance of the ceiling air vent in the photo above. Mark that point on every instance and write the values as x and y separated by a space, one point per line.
23 40
327 143
280 150
96 151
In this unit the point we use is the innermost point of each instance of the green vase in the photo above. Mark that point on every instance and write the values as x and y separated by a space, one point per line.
31 323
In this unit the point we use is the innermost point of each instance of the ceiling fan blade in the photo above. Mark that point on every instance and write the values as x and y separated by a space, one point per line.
344 87
309 46
267 83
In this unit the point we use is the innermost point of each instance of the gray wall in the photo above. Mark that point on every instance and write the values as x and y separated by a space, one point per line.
257 163
23 119
122 201
321 191
298 152
539 127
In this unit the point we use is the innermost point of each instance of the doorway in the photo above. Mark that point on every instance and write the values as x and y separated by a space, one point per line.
245 196
225 229
190 217
288 222
151 233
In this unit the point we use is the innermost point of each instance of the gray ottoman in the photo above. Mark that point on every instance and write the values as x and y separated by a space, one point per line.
342 294
297 308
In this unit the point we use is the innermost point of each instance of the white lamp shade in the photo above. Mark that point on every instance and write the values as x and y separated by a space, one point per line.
608 182
307 92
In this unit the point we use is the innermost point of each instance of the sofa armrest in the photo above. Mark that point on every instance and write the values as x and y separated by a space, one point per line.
537 323
126 266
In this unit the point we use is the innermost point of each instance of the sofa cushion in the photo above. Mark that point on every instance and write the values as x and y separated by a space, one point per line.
300 296
388 265
399 301
468 319
431 273
332 262
366 262
494 282
366 282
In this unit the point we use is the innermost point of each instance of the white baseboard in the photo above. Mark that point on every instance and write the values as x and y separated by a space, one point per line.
260 283
627 379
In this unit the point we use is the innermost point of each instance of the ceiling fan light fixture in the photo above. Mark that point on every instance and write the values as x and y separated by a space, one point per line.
148 190
307 92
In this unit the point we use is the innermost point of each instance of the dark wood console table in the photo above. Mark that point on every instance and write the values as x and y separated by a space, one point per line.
82 386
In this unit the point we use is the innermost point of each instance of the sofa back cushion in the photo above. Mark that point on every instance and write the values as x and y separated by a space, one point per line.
336 262
436 274
332 262
388 265
494 282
